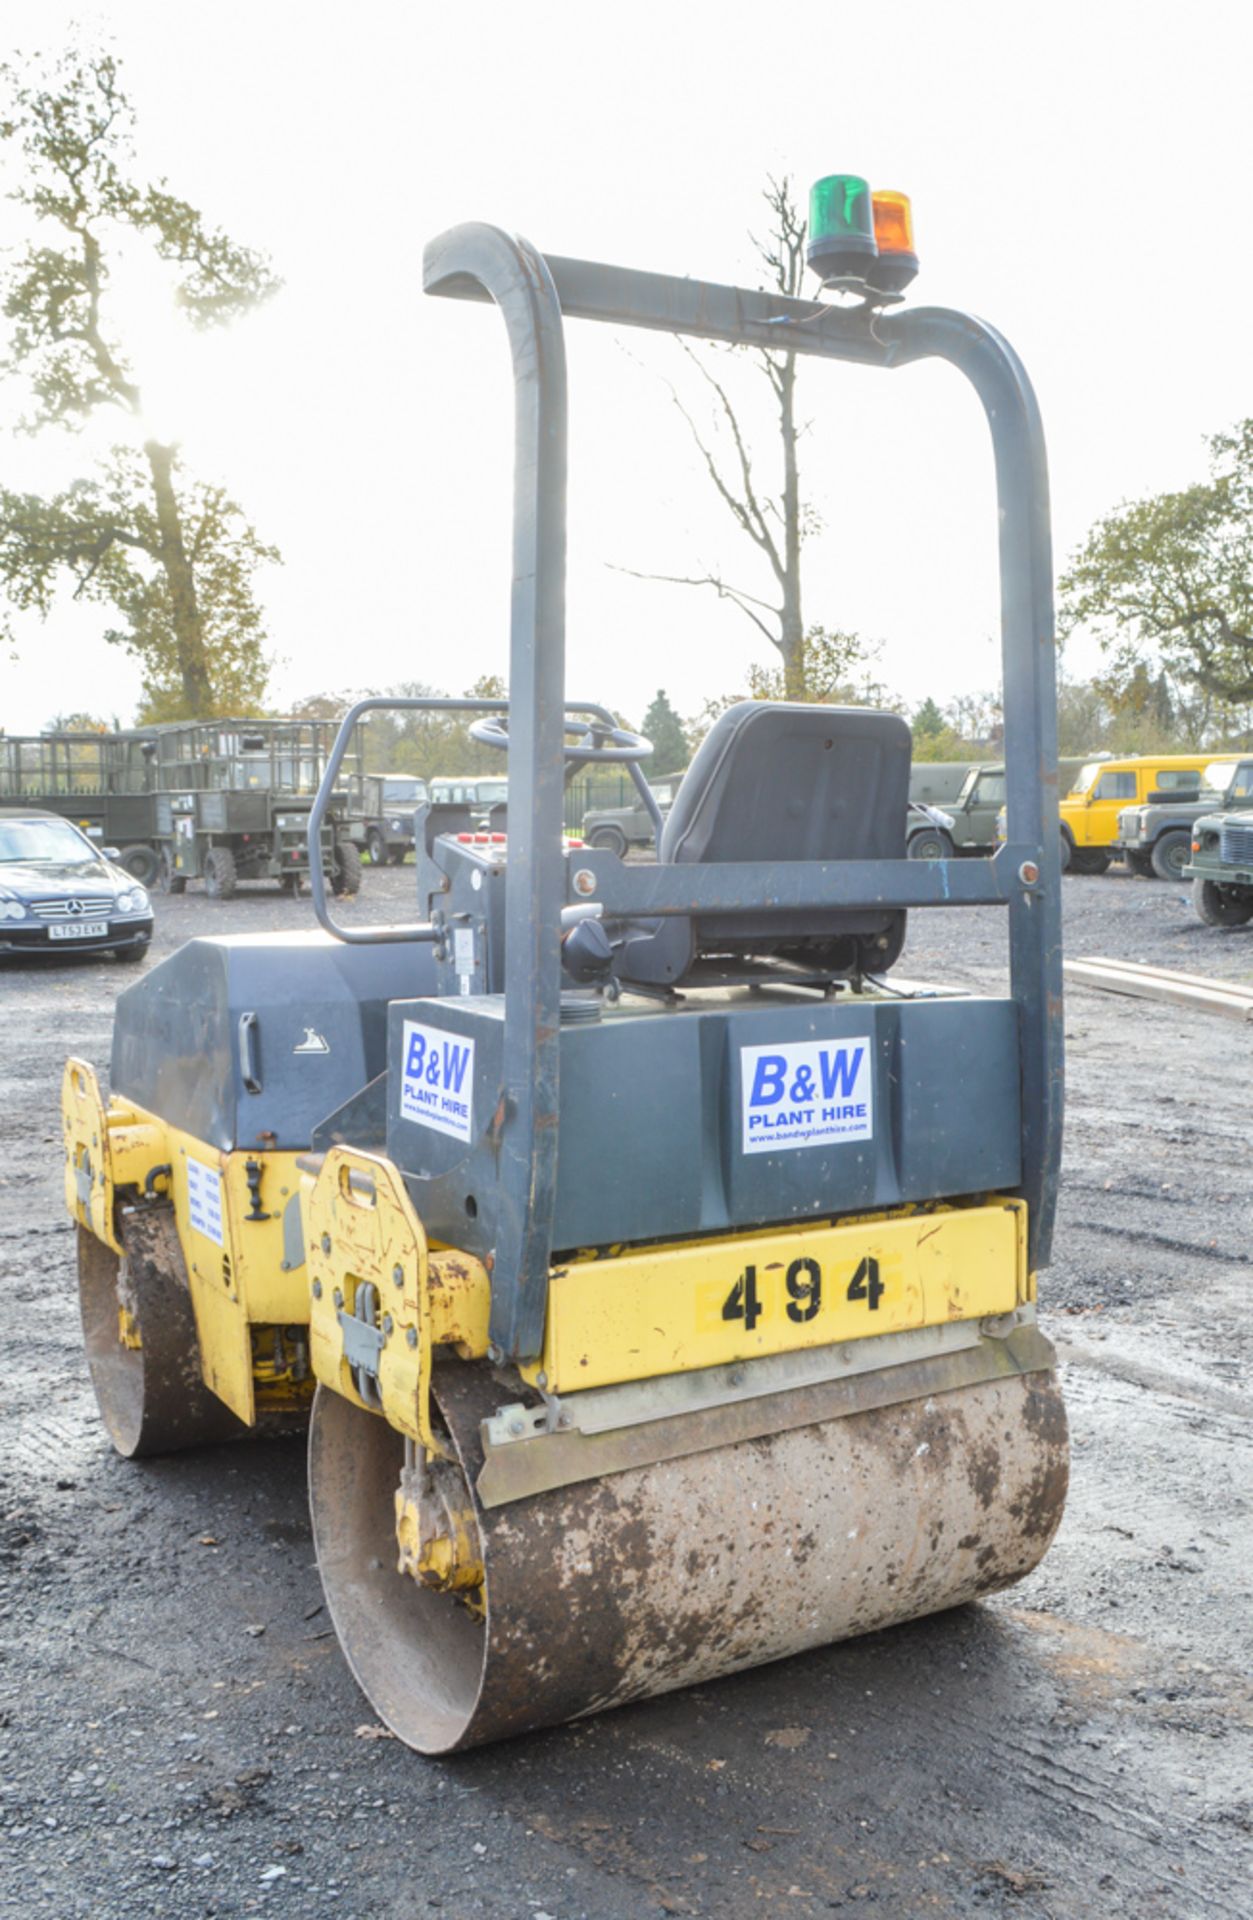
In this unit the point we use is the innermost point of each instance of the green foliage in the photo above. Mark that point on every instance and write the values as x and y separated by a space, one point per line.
835 670
81 723
1168 582
662 725
934 737
969 728
103 533
423 743
173 557
946 744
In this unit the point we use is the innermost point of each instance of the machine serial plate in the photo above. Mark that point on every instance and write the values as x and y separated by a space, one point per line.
710 1303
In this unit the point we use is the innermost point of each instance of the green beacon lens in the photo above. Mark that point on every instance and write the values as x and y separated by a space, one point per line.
841 228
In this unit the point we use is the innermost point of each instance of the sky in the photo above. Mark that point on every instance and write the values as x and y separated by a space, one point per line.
1079 175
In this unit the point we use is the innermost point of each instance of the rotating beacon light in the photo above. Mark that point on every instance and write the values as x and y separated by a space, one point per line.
894 237
841 228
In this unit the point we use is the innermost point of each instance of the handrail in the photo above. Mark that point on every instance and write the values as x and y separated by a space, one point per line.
418 930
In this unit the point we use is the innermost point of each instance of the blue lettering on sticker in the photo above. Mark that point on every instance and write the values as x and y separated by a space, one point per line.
455 1062
768 1084
838 1076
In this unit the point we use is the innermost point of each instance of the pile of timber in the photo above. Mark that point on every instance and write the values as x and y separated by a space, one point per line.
1225 997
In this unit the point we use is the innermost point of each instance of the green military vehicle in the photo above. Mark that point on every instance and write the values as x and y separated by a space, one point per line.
479 792
102 782
618 828
972 812
383 827
937 783
1155 839
1221 868
233 801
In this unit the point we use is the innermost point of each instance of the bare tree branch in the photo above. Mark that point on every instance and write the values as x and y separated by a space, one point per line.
736 595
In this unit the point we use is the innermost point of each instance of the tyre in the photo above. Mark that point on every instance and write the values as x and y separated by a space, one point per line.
131 956
929 843
141 863
167 880
1171 853
220 878
1220 908
609 839
1139 863
1067 853
376 847
396 857
345 869
1090 860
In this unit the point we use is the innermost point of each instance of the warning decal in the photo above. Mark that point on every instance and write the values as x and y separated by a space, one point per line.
204 1200
437 1081
807 1093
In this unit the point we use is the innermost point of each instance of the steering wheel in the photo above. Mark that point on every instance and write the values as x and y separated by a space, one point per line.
597 740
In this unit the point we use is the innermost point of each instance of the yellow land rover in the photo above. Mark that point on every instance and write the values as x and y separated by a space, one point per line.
1089 812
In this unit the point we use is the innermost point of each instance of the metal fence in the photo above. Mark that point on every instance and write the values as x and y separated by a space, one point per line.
594 790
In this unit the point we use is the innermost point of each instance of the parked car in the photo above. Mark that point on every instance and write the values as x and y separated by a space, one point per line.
1104 788
928 832
389 802
975 811
1221 868
480 792
617 828
1155 840
937 783
60 894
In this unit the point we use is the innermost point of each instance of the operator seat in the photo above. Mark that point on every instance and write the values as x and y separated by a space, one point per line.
778 781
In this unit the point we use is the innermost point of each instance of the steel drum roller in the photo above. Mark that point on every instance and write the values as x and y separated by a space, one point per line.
674 1573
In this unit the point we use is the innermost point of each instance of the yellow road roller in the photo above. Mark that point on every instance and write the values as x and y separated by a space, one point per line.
656 1271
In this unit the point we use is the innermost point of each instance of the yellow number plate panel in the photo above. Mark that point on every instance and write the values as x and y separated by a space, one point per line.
704 1304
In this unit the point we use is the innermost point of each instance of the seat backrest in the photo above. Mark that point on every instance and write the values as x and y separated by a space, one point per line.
785 781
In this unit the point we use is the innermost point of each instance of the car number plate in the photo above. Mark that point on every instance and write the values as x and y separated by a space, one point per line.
79 930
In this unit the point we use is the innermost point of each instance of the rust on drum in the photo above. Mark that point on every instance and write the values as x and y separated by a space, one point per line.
685 1569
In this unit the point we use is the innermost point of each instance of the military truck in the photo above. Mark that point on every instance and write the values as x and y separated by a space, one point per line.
1155 839
384 826
937 783
972 814
617 828
102 782
1221 868
477 791
233 801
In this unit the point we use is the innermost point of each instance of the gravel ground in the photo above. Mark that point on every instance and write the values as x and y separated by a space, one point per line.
182 1737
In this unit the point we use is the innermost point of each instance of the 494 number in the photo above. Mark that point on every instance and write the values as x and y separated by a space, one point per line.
803 1286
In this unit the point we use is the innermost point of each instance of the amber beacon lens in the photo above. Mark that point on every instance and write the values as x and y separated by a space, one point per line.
894 236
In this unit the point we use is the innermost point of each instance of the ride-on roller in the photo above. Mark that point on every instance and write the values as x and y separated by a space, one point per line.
666 1271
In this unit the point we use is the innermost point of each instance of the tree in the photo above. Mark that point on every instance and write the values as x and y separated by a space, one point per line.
427 744
173 556
662 725
777 521
1168 581
836 671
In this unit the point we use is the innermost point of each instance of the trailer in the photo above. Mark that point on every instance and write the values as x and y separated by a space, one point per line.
233 802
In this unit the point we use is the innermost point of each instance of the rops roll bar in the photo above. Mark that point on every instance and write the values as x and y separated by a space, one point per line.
532 293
